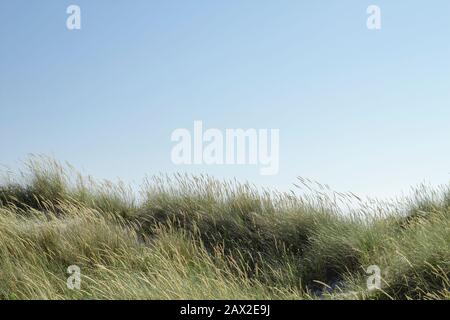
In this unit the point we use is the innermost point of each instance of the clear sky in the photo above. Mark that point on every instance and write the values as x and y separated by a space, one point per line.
361 110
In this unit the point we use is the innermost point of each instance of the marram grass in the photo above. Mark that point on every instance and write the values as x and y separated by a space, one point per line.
189 237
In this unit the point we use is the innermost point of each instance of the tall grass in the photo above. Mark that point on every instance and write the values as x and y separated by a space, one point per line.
194 237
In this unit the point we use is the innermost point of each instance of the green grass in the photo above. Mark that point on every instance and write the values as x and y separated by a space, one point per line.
189 237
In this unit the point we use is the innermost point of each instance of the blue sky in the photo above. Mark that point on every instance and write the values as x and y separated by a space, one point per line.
363 111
